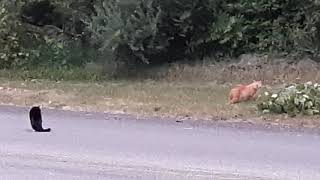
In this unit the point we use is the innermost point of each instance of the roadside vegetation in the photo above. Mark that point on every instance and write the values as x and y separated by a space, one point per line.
163 57
293 99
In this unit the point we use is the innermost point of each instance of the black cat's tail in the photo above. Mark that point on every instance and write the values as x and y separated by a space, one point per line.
45 130
40 129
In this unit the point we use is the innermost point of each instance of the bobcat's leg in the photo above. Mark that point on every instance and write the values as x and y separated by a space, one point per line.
254 96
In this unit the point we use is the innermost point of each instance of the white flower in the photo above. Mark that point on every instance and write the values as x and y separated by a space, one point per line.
306 96
316 85
309 83
266 93
274 95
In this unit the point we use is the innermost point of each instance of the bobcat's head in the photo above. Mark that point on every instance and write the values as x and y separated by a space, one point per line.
256 84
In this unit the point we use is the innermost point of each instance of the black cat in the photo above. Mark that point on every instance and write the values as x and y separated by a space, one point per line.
36 119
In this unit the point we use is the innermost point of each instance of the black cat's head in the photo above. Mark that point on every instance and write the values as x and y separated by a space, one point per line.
35 109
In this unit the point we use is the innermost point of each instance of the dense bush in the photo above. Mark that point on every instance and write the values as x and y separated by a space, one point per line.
268 25
294 99
154 31
11 51
171 30
49 52
33 37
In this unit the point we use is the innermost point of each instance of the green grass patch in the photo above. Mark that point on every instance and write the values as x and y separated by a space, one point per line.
54 74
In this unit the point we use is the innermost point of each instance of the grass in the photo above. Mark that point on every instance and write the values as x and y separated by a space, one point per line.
54 74
141 97
198 91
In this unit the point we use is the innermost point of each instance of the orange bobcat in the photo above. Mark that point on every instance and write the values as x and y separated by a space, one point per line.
244 92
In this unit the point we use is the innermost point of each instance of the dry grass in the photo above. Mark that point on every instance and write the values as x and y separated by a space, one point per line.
198 91
148 97
271 71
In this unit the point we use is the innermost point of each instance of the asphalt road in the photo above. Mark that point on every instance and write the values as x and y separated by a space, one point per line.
114 147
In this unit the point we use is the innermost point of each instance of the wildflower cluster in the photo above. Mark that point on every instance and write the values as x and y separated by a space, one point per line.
293 99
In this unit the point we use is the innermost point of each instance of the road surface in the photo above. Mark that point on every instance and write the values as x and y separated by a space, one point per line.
114 147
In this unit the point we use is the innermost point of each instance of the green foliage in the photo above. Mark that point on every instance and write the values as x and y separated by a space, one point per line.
226 34
54 74
19 49
106 24
55 54
11 51
307 37
294 99
111 32
152 31
141 34
187 24
163 31
156 31
262 26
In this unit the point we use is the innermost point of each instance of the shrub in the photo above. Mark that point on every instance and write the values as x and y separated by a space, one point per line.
154 31
293 99
157 31
306 38
52 53
263 25
25 46
11 51
170 30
